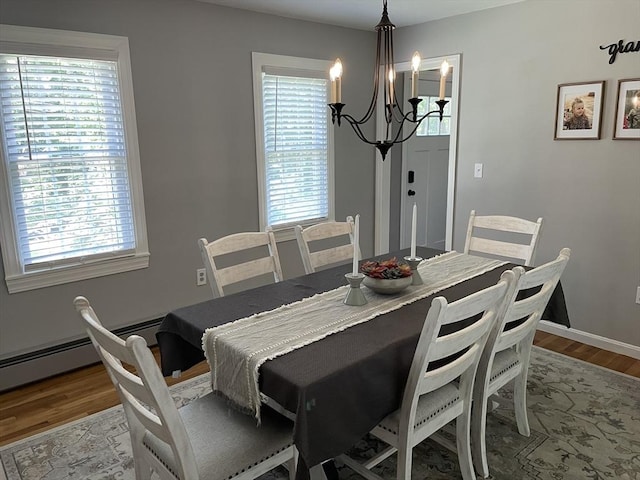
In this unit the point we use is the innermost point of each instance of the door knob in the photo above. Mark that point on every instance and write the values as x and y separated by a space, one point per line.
411 193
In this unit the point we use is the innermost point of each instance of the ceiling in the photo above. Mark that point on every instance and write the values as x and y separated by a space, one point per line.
364 14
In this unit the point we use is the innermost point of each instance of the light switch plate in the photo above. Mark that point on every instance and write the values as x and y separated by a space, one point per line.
477 170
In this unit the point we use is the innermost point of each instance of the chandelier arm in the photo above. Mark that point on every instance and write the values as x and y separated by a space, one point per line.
413 130
399 113
392 64
355 125
389 73
376 82
439 112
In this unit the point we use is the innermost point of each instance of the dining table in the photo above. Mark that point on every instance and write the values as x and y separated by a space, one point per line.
337 387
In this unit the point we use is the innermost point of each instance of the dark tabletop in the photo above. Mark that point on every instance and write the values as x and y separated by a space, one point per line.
339 387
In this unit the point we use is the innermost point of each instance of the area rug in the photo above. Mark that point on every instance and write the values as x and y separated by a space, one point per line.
585 424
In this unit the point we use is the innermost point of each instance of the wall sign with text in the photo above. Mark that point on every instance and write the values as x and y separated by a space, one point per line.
620 47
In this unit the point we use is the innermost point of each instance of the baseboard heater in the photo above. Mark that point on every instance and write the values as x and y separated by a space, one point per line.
47 362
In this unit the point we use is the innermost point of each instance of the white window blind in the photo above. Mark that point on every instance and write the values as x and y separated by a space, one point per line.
66 159
295 149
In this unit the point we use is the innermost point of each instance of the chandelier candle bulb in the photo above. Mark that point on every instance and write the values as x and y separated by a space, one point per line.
356 241
415 66
414 221
444 70
336 85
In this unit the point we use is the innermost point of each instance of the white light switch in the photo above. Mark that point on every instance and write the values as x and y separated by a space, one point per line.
477 170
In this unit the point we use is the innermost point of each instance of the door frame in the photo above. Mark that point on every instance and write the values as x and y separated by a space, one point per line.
383 168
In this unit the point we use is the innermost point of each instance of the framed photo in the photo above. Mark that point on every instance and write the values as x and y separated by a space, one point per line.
579 111
627 121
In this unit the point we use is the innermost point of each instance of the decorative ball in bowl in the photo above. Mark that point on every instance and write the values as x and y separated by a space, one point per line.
387 276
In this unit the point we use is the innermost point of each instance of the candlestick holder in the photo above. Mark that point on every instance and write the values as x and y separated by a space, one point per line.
355 296
336 112
413 263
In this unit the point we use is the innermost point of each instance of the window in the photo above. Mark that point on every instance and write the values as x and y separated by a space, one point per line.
72 204
432 126
294 142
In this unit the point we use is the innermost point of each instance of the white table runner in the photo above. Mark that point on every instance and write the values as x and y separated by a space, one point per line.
236 350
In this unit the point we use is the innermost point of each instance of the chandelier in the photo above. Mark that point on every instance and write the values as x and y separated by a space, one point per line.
393 113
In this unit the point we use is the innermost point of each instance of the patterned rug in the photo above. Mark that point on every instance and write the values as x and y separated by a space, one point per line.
585 424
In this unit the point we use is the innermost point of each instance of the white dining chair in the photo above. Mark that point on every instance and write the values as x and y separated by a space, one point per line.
507 352
518 237
326 243
204 440
255 254
440 382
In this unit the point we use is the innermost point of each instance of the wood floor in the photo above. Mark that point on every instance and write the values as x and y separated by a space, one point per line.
40 406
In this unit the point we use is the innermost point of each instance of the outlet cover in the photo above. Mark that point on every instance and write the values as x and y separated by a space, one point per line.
638 295
201 277
477 170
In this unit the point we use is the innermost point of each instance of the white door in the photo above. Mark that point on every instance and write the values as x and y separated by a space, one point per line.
425 175
383 168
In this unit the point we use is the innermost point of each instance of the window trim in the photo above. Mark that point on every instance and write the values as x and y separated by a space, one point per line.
42 41
283 64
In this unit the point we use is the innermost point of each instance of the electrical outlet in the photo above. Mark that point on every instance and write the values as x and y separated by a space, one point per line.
477 170
638 295
201 277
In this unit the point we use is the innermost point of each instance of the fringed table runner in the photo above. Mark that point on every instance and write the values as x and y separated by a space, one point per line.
236 350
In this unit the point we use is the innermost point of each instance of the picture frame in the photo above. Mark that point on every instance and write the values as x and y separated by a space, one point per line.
579 111
627 120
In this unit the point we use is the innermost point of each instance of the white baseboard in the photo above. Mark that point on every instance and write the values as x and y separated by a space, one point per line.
590 339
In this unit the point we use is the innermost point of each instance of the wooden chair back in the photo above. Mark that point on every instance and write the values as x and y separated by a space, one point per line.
545 279
461 349
507 353
145 396
524 252
268 260
338 244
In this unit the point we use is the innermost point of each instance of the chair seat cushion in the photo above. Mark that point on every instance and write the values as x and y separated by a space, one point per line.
226 442
430 405
506 365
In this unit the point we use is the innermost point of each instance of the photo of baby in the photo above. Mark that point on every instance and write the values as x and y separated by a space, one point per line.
578 111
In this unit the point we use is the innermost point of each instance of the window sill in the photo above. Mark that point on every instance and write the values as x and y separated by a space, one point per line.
47 278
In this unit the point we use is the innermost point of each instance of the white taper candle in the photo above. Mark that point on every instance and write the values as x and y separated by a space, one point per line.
356 241
414 221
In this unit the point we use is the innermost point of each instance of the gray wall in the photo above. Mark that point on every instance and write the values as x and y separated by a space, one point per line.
191 66
588 191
